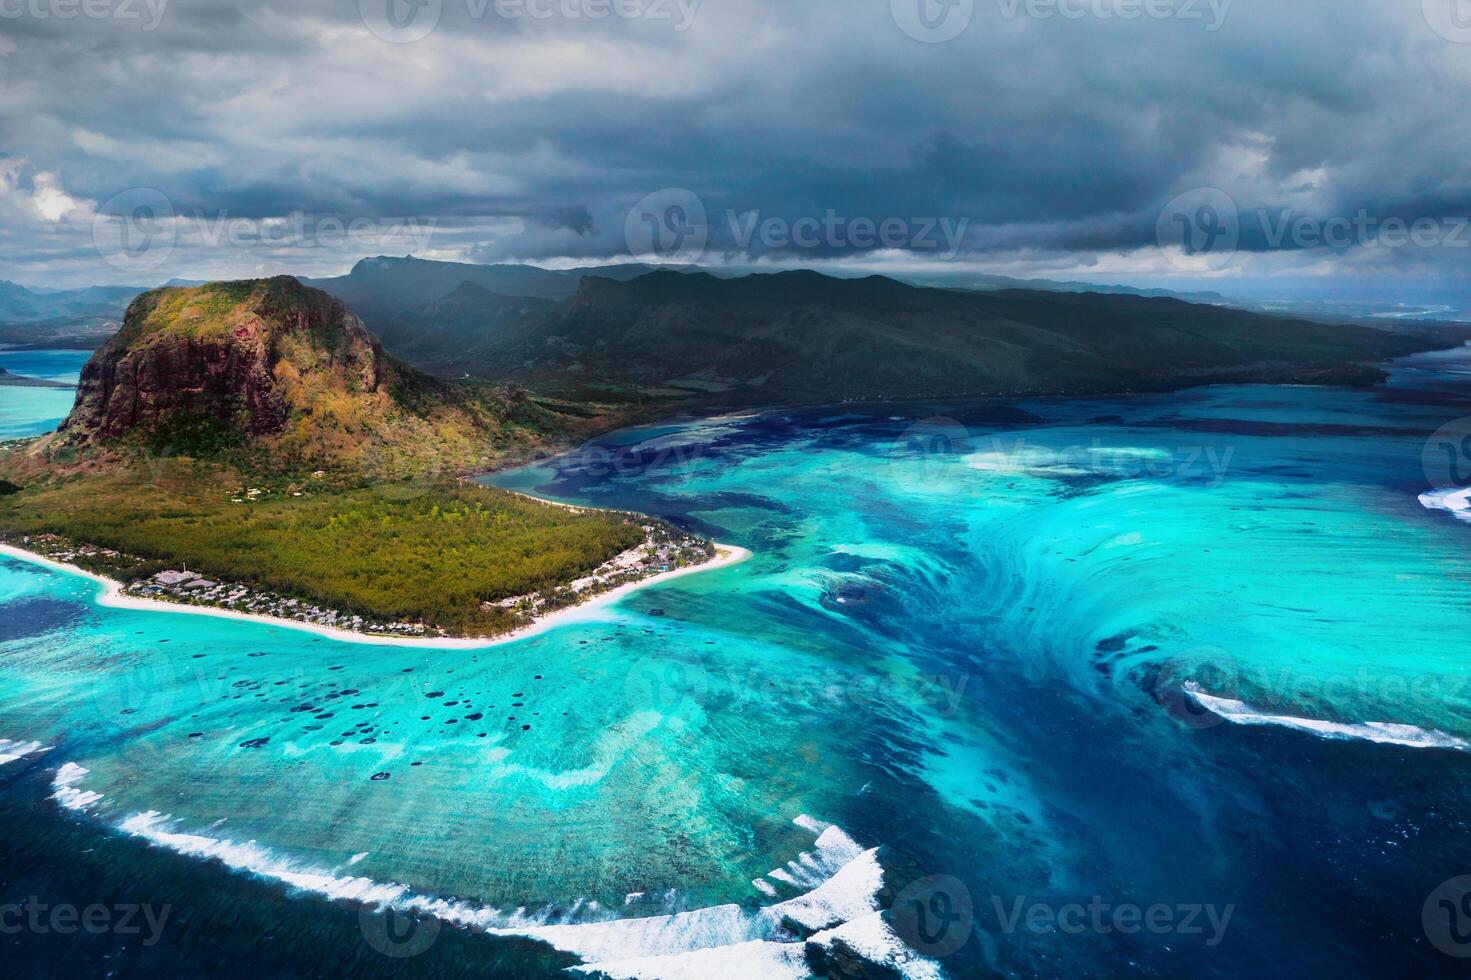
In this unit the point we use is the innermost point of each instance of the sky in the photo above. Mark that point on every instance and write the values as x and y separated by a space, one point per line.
1310 145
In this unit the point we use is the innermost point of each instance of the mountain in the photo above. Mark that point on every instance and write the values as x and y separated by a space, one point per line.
381 288
990 282
18 302
61 333
802 337
282 376
441 336
436 314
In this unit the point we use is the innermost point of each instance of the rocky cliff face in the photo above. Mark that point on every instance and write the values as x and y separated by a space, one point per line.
274 376
248 355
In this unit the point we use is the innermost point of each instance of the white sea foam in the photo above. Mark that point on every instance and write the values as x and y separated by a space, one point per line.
64 789
250 856
753 959
1241 713
10 751
849 893
1025 462
1457 502
701 942
833 850
810 825
1047 463
871 937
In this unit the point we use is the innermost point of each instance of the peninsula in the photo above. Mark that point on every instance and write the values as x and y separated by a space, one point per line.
250 447
20 381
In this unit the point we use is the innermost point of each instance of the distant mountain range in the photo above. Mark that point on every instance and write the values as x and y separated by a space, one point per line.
74 319
801 337
18 302
636 332
741 337
382 287
986 282
385 286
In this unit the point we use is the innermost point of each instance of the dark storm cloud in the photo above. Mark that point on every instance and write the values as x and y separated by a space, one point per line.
1048 135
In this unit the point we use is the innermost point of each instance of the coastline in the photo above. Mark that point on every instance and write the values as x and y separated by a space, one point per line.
111 597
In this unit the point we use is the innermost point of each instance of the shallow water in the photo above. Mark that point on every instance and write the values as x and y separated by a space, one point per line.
34 411
969 636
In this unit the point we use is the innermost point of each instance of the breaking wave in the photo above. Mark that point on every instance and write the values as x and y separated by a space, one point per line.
1457 502
10 751
1386 733
836 885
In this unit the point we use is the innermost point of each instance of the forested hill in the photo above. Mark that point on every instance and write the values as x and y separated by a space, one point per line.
801 337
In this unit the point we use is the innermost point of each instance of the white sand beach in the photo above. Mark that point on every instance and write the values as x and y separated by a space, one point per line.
112 597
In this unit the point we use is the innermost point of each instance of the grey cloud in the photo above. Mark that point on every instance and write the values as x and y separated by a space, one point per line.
1057 140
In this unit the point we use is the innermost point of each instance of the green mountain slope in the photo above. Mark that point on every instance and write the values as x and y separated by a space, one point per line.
802 337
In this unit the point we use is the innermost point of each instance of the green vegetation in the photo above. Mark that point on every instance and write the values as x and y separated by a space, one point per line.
426 552
204 311
803 338
257 433
191 434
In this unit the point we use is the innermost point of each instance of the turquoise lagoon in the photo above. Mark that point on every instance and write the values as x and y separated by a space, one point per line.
1204 654
34 411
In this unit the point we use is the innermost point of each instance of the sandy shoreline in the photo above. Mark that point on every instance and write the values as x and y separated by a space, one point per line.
111 597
